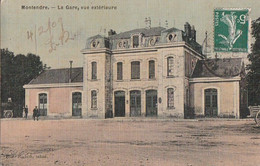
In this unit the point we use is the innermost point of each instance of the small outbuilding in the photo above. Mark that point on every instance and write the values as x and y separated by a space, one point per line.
56 92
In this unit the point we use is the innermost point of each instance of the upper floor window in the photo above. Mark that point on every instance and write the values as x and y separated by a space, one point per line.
170 98
119 71
151 69
135 70
93 99
135 41
94 70
170 66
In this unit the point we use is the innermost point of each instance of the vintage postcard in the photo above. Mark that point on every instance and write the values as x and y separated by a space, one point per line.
140 82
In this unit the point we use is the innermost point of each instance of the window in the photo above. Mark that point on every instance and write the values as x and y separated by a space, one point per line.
76 104
170 98
43 104
151 69
119 71
94 70
135 70
93 99
170 66
135 41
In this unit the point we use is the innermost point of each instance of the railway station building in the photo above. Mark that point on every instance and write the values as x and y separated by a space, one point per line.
147 72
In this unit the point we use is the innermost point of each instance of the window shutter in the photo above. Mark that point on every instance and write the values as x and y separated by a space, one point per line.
151 69
94 70
135 70
119 71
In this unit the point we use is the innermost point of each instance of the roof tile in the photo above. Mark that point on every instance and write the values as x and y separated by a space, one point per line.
59 76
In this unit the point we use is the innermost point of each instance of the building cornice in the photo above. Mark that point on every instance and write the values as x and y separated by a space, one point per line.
96 51
54 85
141 49
214 79
149 49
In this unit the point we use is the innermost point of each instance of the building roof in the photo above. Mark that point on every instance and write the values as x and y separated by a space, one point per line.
95 37
154 31
230 67
59 76
173 29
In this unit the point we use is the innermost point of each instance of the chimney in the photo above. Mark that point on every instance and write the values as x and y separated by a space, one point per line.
111 32
166 23
193 33
149 23
145 21
187 29
70 71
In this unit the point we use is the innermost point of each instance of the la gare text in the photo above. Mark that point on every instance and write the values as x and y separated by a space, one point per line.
69 7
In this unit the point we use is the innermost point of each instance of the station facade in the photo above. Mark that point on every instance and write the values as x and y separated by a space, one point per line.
147 72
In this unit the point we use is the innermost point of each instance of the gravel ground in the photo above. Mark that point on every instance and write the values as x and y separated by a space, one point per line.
138 142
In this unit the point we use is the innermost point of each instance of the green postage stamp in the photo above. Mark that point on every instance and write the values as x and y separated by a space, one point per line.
231 30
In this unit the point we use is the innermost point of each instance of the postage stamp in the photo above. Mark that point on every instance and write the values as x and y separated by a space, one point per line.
231 30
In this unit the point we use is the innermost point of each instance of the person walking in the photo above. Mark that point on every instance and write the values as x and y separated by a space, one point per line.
25 111
35 113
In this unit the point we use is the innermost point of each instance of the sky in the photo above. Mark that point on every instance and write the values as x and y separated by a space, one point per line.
58 35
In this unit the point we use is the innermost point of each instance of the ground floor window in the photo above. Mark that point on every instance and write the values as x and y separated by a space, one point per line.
211 102
93 99
151 103
170 98
119 103
76 104
135 103
43 104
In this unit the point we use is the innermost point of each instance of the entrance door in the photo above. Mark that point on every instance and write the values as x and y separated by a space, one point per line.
43 104
76 104
135 103
119 104
211 103
151 103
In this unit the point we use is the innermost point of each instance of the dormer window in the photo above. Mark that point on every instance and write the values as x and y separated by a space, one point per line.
136 41
95 44
172 37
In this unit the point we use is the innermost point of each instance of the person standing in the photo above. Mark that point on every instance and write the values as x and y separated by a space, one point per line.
25 111
35 113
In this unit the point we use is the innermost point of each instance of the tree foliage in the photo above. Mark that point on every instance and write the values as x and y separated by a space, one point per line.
16 71
253 75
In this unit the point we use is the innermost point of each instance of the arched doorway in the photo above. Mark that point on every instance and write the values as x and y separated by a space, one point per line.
76 104
135 103
151 103
211 102
43 104
119 104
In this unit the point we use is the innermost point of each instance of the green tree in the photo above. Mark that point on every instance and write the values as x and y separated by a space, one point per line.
17 71
253 75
